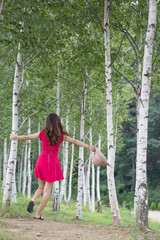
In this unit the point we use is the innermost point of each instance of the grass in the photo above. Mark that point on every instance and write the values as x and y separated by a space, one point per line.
67 213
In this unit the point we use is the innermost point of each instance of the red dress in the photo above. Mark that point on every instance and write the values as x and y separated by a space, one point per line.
47 167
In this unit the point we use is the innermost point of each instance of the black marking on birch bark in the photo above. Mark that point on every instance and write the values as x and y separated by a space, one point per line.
152 25
110 146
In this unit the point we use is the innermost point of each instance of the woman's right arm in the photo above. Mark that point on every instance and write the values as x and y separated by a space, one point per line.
24 137
79 143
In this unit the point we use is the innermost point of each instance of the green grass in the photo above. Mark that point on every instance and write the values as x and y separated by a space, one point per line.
67 213
4 235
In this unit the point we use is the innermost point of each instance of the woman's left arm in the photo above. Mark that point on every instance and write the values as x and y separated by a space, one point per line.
79 143
24 137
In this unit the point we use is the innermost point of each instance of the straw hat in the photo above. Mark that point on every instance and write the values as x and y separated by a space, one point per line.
99 159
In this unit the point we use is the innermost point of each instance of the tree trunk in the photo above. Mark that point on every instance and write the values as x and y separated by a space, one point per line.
81 158
56 200
29 160
93 177
25 170
65 167
71 168
88 174
14 187
141 190
39 141
20 170
13 150
5 158
99 205
111 152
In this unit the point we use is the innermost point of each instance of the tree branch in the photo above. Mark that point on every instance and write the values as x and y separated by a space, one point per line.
118 49
96 15
26 119
126 79
1 7
42 46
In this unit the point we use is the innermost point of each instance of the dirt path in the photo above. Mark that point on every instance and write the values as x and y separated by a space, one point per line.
30 229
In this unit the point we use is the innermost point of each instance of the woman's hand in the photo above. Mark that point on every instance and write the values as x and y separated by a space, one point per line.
12 136
92 148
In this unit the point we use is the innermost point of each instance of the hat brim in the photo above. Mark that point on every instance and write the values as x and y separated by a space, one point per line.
99 159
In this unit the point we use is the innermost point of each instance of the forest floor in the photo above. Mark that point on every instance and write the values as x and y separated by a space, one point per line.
31 229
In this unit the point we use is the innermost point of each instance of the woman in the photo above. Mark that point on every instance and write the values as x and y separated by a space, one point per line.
47 168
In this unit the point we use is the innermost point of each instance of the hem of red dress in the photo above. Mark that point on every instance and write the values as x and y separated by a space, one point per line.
49 180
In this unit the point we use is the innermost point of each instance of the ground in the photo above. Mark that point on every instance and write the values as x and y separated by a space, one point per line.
31 229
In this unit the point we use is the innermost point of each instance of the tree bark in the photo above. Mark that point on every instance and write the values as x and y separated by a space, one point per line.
81 158
29 160
111 152
71 168
5 159
99 205
65 167
141 189
13 150
24 171
56 198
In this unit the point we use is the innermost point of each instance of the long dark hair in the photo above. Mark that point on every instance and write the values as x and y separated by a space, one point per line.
54 129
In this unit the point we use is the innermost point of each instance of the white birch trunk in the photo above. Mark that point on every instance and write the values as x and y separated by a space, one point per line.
14 187
99 206
111 152
13 150
88 180
39 141
0 166
141 190
29 160
93 177
25 171
5 158
81 159
71 168
65 167
56 199
20 170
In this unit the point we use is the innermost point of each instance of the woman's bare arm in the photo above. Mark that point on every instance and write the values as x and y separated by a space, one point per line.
24 137
79 143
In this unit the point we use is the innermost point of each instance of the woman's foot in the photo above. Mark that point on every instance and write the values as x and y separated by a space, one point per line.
39 217
30 206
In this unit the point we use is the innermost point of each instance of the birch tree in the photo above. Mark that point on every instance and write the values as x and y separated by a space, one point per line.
111 153
29 160
13 150
71 168
99 205
93 177
25 170
141 189
5 158
81 157
56 200
65 166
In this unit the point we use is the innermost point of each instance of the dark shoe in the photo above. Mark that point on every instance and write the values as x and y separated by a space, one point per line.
30 207
40 218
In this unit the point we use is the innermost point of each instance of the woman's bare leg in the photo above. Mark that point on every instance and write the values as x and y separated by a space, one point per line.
45 198
39 191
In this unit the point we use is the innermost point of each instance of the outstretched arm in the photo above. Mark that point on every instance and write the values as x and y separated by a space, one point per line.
79 143
24 137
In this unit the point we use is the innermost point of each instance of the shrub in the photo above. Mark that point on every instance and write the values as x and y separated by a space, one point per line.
158 206
153 206
131 204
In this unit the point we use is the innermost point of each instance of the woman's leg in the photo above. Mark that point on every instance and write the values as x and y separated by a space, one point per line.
39 191
45 198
